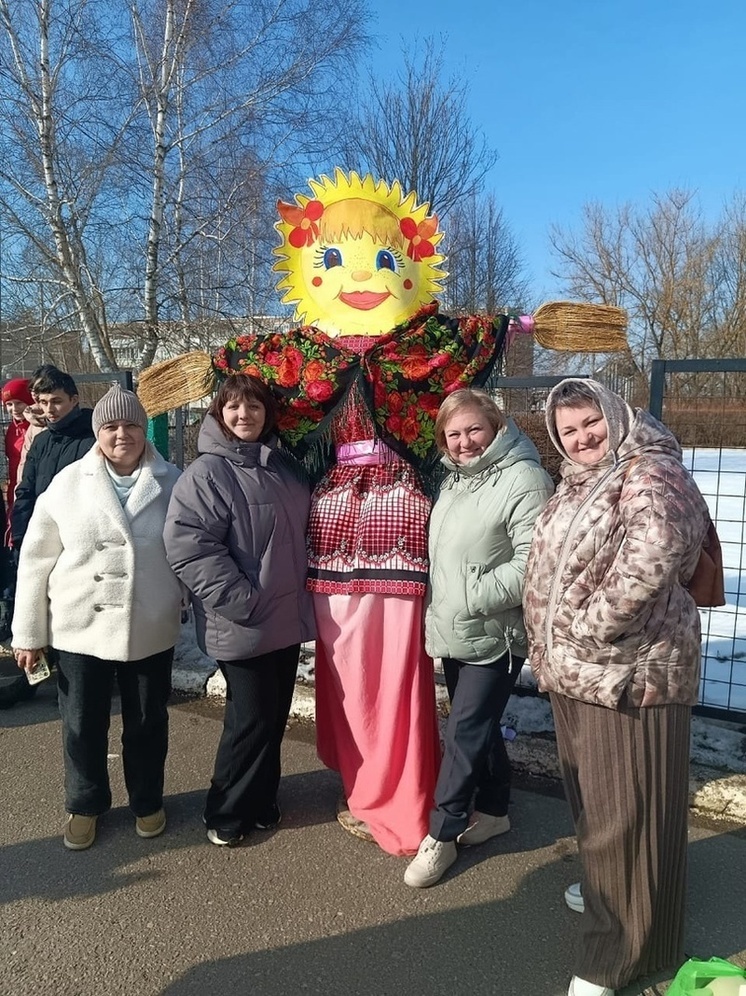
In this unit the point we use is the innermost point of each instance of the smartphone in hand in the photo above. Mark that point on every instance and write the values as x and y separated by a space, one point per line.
38 672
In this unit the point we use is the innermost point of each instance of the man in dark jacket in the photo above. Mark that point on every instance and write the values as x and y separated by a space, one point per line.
69 437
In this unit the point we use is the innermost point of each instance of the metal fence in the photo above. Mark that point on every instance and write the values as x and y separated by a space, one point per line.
704 404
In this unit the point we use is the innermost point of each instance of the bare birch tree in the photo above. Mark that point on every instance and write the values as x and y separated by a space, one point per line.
118 128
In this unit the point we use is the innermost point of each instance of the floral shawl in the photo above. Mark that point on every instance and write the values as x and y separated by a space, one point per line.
402 378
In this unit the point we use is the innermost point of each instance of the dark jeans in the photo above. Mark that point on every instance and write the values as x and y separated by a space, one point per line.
85 689
475 757
247 766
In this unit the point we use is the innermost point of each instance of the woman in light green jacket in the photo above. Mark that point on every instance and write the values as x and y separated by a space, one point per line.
480 534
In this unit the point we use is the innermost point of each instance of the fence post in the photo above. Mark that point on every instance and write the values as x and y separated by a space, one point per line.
657 388
158 434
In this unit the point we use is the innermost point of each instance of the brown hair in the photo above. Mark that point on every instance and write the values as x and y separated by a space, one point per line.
244 387
466 398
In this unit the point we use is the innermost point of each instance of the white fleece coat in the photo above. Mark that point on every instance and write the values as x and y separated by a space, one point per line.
93 579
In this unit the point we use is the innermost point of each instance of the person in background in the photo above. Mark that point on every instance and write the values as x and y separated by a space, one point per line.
235 536
479 538
614 638
70 436
34 415
94 584
17 399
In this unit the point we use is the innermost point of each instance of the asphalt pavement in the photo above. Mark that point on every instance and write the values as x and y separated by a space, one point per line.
305 909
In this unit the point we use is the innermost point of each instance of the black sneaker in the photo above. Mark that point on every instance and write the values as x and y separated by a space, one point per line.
224 838
269 819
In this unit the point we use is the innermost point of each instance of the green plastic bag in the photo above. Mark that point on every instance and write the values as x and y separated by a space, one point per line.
694 977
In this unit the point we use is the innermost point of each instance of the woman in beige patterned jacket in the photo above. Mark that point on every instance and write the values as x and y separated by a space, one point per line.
614 637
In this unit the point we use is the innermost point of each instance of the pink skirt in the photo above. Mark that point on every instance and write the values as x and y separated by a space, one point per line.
376 719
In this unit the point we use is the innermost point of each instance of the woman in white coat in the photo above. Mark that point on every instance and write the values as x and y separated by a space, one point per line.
479 538
95 586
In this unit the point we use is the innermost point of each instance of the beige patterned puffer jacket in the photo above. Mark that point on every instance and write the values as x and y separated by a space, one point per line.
607 616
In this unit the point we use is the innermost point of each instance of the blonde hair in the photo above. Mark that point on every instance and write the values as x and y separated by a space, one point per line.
354 216
467 398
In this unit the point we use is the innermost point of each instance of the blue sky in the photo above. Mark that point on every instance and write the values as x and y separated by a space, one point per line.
591 101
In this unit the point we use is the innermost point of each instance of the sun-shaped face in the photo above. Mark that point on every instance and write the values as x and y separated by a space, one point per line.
357 257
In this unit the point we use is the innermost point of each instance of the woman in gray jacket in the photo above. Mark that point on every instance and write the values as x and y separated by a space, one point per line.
480 534
235 535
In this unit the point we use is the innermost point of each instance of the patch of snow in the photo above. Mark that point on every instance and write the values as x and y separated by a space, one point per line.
192 668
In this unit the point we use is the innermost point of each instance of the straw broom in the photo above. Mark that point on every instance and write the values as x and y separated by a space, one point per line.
578 327
174 383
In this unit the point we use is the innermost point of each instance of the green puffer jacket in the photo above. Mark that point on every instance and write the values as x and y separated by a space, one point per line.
480 534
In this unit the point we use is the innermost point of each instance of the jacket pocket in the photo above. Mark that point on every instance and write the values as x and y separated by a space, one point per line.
473 572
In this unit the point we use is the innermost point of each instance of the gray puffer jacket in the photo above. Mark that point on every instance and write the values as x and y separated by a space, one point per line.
480 534
235 535
608 617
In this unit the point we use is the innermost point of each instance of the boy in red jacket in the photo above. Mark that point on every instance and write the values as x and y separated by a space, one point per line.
17 398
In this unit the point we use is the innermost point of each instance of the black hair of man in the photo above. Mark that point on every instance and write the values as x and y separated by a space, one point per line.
40 371
53 379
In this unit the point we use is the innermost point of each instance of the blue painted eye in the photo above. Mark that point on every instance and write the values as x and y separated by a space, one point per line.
385 261
332 257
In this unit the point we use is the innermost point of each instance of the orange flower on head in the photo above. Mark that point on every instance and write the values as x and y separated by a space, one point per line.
305 230
453 376
419 236
288 373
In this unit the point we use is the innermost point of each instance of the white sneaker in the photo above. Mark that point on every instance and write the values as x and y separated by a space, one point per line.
574 898
579 987
482 827
433 859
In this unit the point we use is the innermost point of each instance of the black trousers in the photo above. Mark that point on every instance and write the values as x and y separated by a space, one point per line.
475 758
85 688
247 766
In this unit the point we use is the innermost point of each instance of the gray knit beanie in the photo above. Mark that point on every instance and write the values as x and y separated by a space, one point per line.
117 404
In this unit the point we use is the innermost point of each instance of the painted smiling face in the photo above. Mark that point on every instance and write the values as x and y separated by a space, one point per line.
358 258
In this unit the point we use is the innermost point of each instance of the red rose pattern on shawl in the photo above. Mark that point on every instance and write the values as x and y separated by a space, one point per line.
401 376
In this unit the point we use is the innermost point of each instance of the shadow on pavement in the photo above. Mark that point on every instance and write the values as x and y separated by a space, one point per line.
463 950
